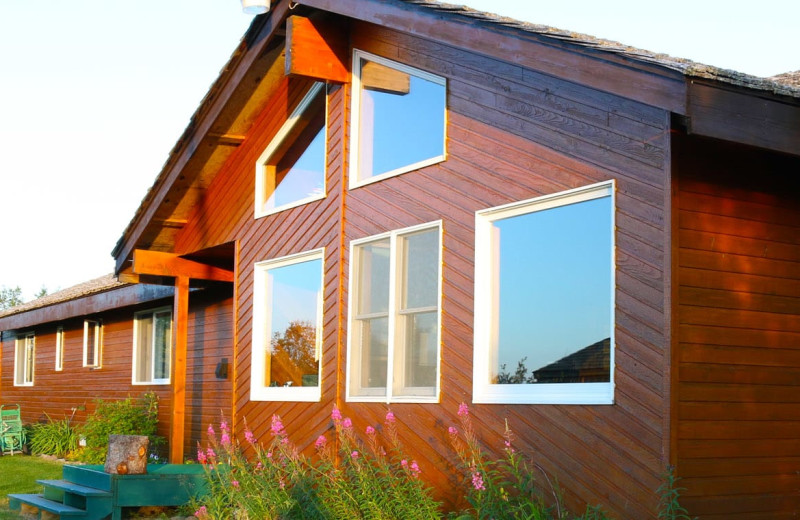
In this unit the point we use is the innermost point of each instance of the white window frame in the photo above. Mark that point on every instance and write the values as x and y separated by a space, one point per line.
59 349
262 327
393 313
355 126
276 143
96 340
135 361
536 393
23 356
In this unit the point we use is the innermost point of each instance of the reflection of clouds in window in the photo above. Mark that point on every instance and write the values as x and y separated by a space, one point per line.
554 283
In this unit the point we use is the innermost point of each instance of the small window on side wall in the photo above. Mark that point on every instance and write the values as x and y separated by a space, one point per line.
59 349
24 360
399 119
287 328
291 170
152 346
544 300
393 335
92 343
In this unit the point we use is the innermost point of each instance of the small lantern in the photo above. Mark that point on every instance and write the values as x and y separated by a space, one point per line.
255 6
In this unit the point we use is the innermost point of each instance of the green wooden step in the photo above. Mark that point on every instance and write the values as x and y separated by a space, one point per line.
16 500
76 489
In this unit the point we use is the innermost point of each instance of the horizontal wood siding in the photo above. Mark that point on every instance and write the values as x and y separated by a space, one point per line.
514 134
738 355
59 394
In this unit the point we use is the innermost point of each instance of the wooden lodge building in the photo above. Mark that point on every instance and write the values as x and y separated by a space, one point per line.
406 205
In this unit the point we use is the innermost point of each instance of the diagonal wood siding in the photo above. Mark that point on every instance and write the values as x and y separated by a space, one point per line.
738 355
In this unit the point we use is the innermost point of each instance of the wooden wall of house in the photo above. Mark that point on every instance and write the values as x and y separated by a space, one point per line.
738 331
74 389
513 134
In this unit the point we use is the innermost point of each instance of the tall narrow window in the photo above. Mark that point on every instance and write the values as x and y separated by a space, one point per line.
291 171
25 347
152 346
393 344
399 119
59 349
544 299
92 343
287 328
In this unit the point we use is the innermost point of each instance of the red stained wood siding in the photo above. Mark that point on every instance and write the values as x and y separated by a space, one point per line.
57 393
738 331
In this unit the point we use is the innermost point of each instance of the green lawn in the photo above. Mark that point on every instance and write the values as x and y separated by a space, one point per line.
19 475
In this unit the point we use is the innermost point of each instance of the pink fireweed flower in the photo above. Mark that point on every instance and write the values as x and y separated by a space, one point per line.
452 431
201 457
211 432
354 455
370 430
277 426
463 410
224 426
226 439
249 437
404 463
210 453
389 417
202 512
477 481
415 468
320 442
347 423
259 466
235 484
336 415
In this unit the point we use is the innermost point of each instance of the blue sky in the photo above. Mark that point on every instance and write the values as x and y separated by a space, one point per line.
95 94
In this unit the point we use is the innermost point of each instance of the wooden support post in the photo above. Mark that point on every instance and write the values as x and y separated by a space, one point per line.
181 319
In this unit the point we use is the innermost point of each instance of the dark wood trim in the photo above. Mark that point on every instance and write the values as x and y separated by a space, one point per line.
738 115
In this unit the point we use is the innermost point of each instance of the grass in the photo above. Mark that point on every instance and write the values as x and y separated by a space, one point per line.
20 473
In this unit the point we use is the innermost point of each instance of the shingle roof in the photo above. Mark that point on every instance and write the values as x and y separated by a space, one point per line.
788 78
776 84
98 285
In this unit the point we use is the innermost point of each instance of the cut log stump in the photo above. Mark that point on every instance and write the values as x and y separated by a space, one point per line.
127 454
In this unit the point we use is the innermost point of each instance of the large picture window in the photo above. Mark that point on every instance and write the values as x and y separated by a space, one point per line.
393 344
24 359
399 119
92 343
544 299
291 170
152 346
287 328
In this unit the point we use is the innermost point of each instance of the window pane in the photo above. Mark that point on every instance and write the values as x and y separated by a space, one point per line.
144 340
297 170
421 265
554 292
373 282
422 350
294 294
162 345
374 352
29 357
402 119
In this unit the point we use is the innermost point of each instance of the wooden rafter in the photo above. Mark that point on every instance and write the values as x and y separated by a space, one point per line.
157 263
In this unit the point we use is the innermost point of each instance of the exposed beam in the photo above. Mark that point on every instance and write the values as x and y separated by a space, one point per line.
157 263
317 48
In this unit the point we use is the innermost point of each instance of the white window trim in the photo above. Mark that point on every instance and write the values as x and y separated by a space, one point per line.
277 141
59 349
355 118
261 335
538 393
98 343
392 312
21 358
152 313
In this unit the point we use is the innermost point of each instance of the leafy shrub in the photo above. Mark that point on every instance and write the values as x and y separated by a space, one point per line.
669 507
124 417
57 438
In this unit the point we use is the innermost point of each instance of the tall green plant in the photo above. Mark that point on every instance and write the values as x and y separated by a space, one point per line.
669 507
57 438
123 417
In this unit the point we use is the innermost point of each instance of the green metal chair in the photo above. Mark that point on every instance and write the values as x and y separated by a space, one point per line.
12 434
